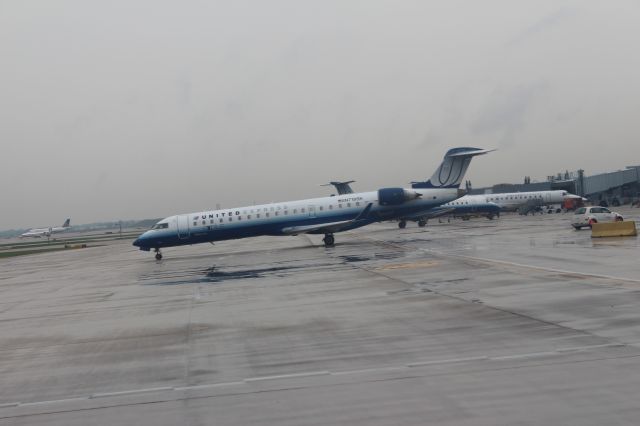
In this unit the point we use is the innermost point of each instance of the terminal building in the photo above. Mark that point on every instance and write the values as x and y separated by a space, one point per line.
614 188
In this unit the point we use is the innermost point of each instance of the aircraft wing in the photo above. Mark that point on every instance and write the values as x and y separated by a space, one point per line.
328 227
321 228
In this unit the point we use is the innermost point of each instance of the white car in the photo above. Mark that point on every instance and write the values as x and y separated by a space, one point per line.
586 216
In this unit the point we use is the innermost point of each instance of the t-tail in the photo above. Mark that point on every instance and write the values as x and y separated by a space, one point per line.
452 169
67 223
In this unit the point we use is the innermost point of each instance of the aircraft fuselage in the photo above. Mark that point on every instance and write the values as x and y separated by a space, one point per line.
285 217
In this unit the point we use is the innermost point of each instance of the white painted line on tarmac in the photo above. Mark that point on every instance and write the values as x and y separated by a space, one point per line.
208 386
448 361
522 265
521 356
54 401
582 348
10 404
368 370
506 262
129 392
321 373
288 376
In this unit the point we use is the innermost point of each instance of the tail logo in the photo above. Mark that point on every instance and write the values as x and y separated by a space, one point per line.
445 170
452 169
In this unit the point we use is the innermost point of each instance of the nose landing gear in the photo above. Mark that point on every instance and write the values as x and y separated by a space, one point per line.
158 254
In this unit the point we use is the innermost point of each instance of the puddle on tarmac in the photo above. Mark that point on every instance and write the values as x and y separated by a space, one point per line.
390 255
211 275
354 258
376 256
215 274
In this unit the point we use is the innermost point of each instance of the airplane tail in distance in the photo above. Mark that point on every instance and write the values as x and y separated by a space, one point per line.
452 169
67 223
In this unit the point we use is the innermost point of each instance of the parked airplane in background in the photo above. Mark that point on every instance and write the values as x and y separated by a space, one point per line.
460 207
46 232
464 207
326 215
516 200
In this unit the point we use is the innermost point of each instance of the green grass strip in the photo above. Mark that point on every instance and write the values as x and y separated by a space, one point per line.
4 254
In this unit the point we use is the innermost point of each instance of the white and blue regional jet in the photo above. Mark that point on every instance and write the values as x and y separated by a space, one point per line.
326 215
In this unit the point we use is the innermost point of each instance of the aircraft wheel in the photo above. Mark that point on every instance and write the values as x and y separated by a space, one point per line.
328 240
158 254
422 223
402 224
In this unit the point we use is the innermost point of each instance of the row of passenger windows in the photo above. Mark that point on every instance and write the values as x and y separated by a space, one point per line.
513 197
516 197
266 213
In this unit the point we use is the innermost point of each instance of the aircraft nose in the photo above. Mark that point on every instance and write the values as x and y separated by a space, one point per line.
141 240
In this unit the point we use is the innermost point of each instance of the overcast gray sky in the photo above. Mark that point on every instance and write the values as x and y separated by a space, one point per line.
135 109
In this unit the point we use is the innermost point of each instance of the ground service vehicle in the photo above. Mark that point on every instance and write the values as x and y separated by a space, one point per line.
587 216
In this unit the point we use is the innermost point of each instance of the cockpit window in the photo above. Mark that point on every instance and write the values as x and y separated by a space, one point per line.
161 226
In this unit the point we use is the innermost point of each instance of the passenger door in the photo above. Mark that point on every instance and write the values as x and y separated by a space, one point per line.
597 214
183 227
312 211
606 215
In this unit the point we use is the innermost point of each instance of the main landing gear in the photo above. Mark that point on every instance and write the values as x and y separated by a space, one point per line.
158 254
328 240
422 223
402 224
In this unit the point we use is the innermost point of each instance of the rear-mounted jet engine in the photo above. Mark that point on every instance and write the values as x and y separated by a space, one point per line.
396 196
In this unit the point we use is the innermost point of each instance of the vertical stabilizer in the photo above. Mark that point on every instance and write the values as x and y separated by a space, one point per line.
67 223
452 169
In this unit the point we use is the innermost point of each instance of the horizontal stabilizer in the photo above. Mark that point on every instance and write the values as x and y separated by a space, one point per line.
468 152
341 187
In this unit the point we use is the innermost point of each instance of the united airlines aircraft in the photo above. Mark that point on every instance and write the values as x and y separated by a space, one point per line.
47 232
515 200
465 208
326 215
